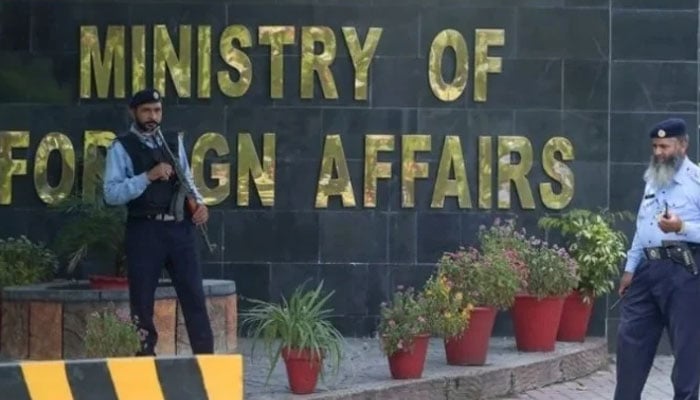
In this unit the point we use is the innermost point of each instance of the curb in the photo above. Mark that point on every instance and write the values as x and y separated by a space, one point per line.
206 377
484 382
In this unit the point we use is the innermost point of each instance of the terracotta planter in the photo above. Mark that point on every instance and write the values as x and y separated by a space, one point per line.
106 282
408 363
303 367
472 346
536 322
574 319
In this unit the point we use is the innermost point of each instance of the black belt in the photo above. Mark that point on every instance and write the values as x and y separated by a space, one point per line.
668 251
155 217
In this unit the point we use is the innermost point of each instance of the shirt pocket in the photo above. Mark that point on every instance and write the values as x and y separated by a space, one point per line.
681 205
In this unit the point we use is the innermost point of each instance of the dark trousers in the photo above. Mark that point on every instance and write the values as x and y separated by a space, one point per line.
150 246
662 295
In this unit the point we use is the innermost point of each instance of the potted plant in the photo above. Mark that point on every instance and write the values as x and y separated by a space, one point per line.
598 248
94 230
23 262
490 284
449 309
111 333
404 333
300 332
547 275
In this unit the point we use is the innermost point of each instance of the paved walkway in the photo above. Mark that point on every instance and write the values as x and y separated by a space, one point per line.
601 385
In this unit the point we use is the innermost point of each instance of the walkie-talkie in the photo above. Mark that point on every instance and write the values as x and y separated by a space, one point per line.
665 209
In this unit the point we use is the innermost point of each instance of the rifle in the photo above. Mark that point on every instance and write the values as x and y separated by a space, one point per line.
189 193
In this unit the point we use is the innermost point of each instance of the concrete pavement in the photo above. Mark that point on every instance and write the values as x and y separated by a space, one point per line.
601 385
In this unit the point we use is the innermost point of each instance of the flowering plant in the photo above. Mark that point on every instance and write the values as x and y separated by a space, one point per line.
402 320
542 270
489 280
448 308
111 333
551 270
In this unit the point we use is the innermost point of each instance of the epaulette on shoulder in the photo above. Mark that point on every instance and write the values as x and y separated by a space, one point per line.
693 172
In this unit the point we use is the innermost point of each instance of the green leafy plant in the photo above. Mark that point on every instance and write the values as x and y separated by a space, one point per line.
93 228
300 323
402 319
594 244
24 262
111 333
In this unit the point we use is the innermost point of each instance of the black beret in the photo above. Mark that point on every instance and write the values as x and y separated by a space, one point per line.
143 97
671 127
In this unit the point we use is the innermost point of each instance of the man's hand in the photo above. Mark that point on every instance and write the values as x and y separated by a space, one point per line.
625 282
162 171
670 224
201 215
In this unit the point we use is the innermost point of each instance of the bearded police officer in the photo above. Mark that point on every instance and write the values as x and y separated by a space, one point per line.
140 174
660 286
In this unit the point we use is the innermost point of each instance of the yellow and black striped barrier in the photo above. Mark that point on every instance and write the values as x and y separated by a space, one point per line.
205 377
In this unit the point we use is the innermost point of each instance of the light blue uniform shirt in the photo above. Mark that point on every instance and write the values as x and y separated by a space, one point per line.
120 184
683 198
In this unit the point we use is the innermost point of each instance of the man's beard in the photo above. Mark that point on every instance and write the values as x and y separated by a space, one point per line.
660 173
148 126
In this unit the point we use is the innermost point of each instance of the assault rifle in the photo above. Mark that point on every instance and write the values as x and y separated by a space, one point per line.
185 190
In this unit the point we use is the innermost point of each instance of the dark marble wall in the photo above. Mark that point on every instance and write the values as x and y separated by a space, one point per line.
598 72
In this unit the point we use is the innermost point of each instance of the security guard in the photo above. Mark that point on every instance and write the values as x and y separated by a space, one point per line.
660 286
139 173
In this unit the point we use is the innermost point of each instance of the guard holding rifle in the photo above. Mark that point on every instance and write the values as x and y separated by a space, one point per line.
163 209
660 287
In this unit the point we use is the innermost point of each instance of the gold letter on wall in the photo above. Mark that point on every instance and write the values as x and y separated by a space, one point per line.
559 171
361 56
410 169
276 37
452 157
54 194
507 171
138 58
373 168
220 172
165 57
319 63
94 161
483 63
441 89
249 165
334 161
8 166
236 59
485 172
204 61
112 61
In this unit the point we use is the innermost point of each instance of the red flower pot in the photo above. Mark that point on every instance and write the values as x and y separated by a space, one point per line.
408 362
106 282
574 319
303 367
536 322
471 347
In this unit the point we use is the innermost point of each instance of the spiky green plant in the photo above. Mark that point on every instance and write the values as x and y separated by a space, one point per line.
300 323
